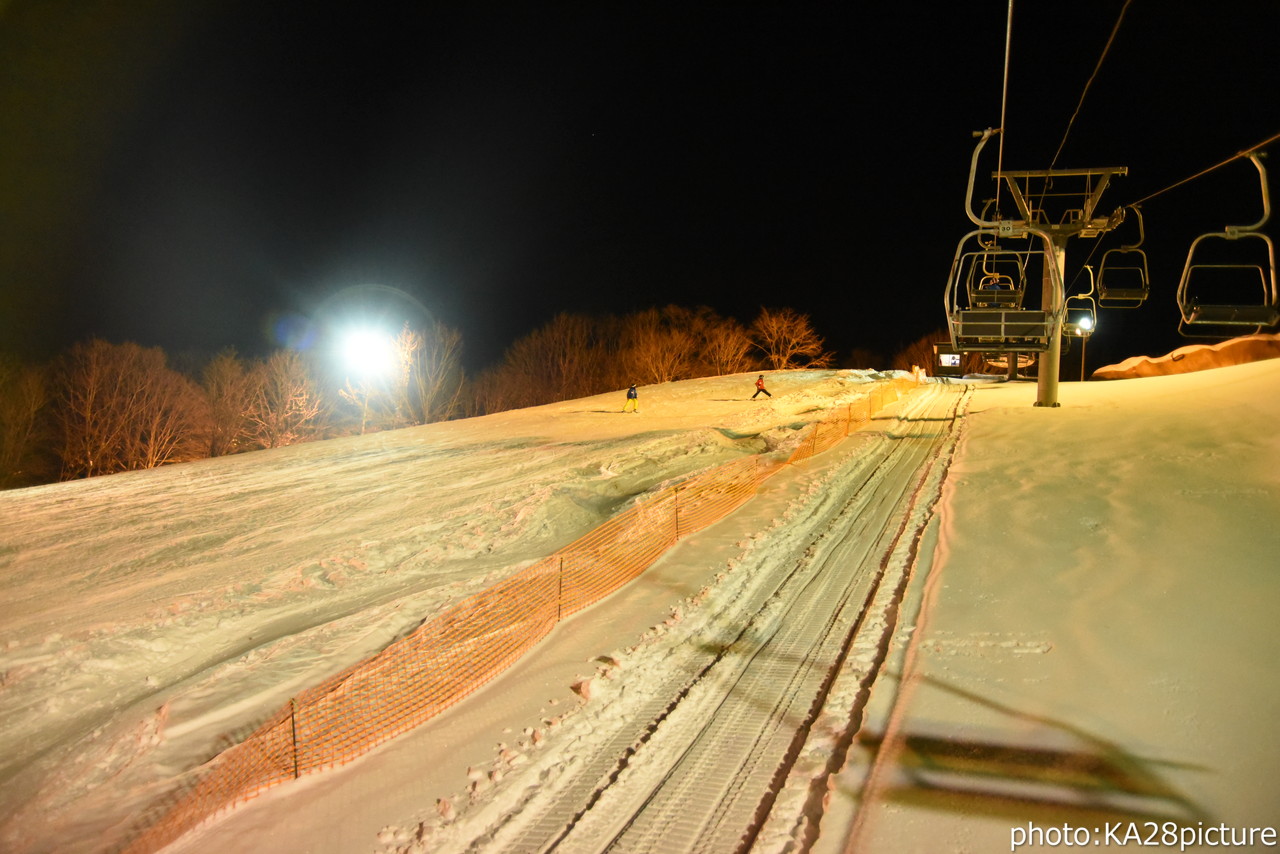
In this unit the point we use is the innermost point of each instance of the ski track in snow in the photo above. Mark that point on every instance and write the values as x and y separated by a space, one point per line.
1102 578
684 762
152 618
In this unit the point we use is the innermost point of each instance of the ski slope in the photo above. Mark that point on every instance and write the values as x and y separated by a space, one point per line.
150 617
1093 590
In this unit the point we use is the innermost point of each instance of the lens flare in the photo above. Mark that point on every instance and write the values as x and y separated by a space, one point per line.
368 353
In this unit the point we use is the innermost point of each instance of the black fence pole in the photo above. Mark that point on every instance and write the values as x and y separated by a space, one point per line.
293 725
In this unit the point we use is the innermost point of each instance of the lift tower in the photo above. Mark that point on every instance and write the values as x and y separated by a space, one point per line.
1052 206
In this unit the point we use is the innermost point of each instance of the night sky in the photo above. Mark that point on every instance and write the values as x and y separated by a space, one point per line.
218 173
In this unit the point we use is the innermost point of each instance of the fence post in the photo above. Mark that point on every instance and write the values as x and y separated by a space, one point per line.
293 726
675 492
560 590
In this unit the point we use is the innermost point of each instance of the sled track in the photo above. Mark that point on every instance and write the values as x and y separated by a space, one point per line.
699 765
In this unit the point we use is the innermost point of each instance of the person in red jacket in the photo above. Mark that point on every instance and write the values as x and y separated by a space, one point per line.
760 388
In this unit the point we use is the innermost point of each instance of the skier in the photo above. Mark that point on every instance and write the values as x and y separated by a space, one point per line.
760 388
633 400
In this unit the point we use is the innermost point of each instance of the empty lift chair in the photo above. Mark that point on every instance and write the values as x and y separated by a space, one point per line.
1123 277
1237 296
1080 319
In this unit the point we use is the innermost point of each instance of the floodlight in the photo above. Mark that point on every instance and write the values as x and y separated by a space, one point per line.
368 353
1081 327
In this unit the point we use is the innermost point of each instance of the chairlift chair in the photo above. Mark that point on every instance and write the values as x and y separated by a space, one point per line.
1201 319
1080 314
1123 277
984 299
1206 317
996 278
1023 361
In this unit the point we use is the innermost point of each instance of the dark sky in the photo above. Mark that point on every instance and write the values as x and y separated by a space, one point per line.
221 173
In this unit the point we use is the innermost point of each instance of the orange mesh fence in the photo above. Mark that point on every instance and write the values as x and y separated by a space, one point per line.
709 497
410 681
455 653
614 553
841 421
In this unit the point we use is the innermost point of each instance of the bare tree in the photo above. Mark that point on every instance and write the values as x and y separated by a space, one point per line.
658 346
406 347
374 402
120 407
571 356
286 407
89 378
425 383
228 386
23 396
525 376
485 394
171 421
788 340
860 358
436 374
726 348
554 362
378 380
564 349
574 355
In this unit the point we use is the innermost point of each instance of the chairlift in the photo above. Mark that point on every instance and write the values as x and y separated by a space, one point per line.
1123 277
986 326
1000 364
1205 311
1080 315
985 294
996 277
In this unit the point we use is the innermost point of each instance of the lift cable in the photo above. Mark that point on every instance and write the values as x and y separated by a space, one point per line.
1204 172
1245 153
1069 289
1105 50
1097 67
1004 101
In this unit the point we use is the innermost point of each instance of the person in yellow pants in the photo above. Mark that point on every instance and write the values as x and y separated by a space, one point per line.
633 400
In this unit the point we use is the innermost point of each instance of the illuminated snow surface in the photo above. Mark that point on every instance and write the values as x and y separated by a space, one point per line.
1088 629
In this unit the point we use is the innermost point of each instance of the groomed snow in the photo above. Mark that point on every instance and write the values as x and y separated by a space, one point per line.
1095 643
148 618
1087 636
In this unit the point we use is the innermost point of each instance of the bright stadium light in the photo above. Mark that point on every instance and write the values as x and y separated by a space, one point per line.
368 353
369 359
1081 327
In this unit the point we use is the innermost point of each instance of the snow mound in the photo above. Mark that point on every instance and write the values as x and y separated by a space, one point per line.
1195 357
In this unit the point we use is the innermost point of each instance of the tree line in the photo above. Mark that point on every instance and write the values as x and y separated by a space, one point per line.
576 355
103 407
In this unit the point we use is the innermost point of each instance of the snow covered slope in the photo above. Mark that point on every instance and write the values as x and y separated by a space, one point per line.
145 618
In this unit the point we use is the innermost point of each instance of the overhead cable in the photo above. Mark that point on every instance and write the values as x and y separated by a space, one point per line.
1105 50
1204 172
1004 100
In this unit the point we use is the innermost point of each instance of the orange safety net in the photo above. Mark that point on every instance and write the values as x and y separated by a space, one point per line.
453 654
